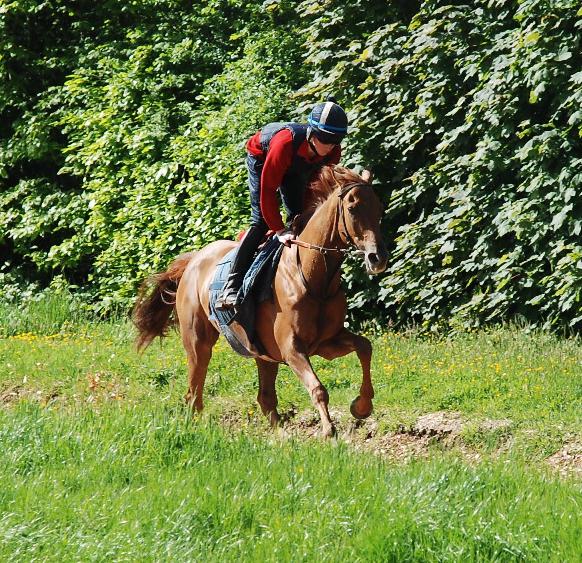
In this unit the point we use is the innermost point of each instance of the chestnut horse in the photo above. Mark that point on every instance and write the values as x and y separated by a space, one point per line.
307 313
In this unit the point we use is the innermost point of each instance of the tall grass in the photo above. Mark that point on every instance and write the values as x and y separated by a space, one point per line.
46 313
149 485
100 461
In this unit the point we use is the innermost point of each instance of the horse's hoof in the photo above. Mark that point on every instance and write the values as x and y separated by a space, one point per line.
355 413
276 422
194 406
330 432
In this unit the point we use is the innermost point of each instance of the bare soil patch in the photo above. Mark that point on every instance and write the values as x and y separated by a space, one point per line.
10 394
428 434
567 460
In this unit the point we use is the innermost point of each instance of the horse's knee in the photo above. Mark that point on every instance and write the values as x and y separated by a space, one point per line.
320 395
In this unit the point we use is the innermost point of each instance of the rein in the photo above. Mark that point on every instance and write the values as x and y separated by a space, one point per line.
324 250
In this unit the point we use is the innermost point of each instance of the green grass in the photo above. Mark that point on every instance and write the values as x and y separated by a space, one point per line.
534 380
47 313
99 459
148 484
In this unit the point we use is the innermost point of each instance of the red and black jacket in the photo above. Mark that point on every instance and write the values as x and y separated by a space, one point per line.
284 150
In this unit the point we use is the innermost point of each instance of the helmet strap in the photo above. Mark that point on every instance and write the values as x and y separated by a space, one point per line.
310 142
313 147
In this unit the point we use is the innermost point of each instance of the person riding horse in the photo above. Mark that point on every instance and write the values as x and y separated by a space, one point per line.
284 157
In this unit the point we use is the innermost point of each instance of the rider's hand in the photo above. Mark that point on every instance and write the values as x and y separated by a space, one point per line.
285 237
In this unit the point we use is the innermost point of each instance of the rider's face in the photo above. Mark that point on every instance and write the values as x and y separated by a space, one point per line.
322 148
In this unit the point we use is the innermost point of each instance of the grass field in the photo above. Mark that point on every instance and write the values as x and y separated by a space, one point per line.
99 459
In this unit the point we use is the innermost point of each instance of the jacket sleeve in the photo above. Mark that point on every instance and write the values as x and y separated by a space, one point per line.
276 165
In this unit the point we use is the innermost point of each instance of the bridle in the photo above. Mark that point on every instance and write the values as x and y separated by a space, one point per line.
346 238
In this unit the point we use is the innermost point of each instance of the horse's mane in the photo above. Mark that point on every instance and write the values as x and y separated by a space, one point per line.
321 188
327 181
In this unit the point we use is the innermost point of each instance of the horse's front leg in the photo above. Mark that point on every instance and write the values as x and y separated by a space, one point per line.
344 343
296 357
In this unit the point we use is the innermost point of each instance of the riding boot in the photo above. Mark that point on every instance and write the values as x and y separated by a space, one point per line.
242 261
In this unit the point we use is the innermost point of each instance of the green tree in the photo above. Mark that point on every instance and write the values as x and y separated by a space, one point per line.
471 113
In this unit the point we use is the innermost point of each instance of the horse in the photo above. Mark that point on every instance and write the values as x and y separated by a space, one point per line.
306 314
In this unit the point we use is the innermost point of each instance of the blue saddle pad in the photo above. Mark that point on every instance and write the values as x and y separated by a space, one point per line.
256 288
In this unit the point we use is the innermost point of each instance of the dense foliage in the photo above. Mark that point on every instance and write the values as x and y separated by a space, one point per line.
472 115
122 127
142 128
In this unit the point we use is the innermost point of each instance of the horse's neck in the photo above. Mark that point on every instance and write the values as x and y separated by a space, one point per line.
322 230
322 227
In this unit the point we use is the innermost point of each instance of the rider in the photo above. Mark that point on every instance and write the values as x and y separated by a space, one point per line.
284 157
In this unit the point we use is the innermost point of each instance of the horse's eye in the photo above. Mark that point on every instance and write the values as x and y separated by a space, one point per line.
352 210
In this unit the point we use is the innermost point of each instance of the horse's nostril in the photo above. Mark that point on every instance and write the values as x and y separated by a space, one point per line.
373 257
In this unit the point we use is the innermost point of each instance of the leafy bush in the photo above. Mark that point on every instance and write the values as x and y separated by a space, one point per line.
123 127
152 123
472 115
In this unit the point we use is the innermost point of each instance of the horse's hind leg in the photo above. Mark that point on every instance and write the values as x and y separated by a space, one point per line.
198 341
267 396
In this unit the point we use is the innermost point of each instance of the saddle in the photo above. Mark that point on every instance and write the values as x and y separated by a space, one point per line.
238 324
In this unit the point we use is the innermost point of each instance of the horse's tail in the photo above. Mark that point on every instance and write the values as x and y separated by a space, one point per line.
152 314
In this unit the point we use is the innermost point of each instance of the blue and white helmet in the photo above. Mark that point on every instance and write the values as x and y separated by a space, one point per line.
328 122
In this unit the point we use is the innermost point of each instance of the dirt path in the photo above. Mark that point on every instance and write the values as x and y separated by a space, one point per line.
432 432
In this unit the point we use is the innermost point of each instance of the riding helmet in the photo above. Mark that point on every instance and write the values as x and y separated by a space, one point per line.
328 122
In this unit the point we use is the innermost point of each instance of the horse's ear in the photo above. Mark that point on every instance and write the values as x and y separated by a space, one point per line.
367 176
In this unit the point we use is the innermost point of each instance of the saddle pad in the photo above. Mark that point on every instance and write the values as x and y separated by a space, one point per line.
238 324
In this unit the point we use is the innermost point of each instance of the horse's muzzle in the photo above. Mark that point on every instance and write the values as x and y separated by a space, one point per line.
376 260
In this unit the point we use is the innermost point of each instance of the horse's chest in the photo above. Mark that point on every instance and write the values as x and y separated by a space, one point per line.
321 321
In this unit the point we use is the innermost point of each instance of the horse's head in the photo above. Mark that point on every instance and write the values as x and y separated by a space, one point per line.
359 210
359 223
